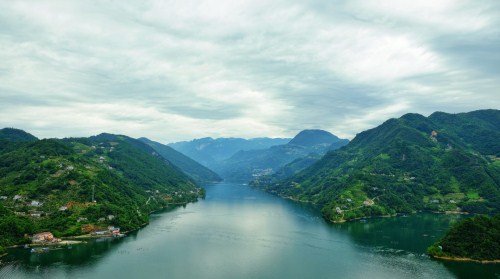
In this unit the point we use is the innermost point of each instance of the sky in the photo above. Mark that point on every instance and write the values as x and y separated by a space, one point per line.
178 70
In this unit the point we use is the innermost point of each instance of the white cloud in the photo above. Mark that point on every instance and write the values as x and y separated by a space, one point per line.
441 16
174 70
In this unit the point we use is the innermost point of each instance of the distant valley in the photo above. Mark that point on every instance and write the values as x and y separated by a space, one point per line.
209 151
441 163
300 152
241 160
193 169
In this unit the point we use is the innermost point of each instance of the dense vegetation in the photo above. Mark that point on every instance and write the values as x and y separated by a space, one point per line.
476 238
78 185
193 169
12 134
292 168
446 162
247 165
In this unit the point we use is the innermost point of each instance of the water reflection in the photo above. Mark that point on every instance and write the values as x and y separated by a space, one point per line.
413 233
239 232
408 237
82 254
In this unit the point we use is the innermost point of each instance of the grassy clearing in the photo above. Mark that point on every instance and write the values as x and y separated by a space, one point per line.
473 195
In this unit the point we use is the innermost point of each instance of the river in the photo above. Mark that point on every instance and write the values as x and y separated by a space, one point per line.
240 232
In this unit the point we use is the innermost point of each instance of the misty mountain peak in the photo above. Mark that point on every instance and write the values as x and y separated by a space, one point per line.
313 137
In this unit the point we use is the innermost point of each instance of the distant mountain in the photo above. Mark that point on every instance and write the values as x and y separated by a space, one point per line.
444 162
77 185
308 145
193 169
12 134
209 151
309 138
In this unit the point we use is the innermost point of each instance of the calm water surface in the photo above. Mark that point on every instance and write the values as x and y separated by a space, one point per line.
239 232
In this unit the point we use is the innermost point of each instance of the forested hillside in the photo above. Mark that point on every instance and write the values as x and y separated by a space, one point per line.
445 162
193 169
77 185
476 238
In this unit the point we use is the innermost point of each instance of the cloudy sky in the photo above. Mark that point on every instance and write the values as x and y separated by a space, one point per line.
177 70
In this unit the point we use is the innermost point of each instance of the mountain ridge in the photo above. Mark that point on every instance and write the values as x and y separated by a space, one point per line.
13 134
313 137
73 186
208 151
307 144
412 163
195 170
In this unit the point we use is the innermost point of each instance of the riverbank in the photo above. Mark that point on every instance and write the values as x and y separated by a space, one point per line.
300 243
89 236
360 218
465 260
396 215
342 220
296 200
450 212
63 242
170 205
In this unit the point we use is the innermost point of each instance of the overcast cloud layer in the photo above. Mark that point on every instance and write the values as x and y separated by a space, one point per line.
177 70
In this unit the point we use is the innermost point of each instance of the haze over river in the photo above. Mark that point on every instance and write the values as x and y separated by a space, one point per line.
240 232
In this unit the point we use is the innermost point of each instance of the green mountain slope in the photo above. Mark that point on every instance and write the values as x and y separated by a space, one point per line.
476 238
247 165
190 167
315 138
11 134
77 185
477 130
441 163
293 167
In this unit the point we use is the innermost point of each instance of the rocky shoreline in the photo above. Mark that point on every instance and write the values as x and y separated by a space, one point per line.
465 259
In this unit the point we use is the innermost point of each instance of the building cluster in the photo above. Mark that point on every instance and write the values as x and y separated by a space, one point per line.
44 238
111 231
